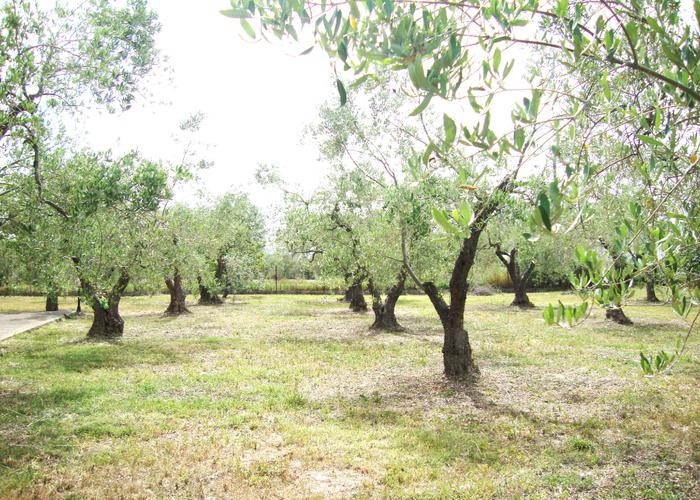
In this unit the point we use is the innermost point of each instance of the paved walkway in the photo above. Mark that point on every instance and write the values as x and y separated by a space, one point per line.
14 323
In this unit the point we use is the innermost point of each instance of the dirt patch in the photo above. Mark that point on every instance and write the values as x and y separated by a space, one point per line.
333 483
565 396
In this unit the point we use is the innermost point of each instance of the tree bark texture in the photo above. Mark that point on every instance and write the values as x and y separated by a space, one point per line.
519 281
618 316
107 323
51 301
385 309
456 351
357 298
178 304
206 296
651 292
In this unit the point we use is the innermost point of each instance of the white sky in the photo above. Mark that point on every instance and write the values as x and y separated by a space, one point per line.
257 98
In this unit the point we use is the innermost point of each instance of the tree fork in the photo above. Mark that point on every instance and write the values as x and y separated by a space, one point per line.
178 303
519 281
385 310
457 353
107 323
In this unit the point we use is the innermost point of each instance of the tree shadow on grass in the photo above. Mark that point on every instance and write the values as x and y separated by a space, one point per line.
398 406
34 423
84 355
650 326
39 416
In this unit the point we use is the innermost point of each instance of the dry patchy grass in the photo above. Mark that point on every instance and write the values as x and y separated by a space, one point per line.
292 396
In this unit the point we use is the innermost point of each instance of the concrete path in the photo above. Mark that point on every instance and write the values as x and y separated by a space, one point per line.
14 323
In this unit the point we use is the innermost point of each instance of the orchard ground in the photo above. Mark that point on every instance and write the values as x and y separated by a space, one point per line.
292 396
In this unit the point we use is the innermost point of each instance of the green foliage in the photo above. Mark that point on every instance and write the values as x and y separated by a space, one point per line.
230 231
565 315
56 206
90 216
55 60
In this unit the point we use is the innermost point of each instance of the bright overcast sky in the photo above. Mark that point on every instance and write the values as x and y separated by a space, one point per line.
257 98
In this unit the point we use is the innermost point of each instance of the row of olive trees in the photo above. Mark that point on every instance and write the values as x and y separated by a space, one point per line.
353 226
111 227
71 218
611 106
54 62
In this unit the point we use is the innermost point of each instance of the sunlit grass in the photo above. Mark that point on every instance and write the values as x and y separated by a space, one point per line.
293 396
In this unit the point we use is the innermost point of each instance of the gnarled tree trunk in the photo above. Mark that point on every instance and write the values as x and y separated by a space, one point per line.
107 323
651 292
52 301
178 303
519 281
618 316
206 296
456 350
221 276
614 311
354 292
347 296
357 298
385 310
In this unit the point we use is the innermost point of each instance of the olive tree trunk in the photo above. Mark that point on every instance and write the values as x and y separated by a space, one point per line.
107 323
618 316
456 350
347 296
614 311
357 298
651 292
206 296
385 310
52 301
222 276
519 281
178 304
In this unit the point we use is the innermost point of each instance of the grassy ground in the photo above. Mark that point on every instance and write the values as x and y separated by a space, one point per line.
291 396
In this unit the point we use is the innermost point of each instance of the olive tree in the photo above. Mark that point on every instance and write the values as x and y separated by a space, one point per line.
462 50
229 236
104 210
54 61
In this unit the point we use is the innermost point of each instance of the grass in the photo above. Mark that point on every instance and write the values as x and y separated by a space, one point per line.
301 285
292 396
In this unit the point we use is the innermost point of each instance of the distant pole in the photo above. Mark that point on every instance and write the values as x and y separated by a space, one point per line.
276 278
